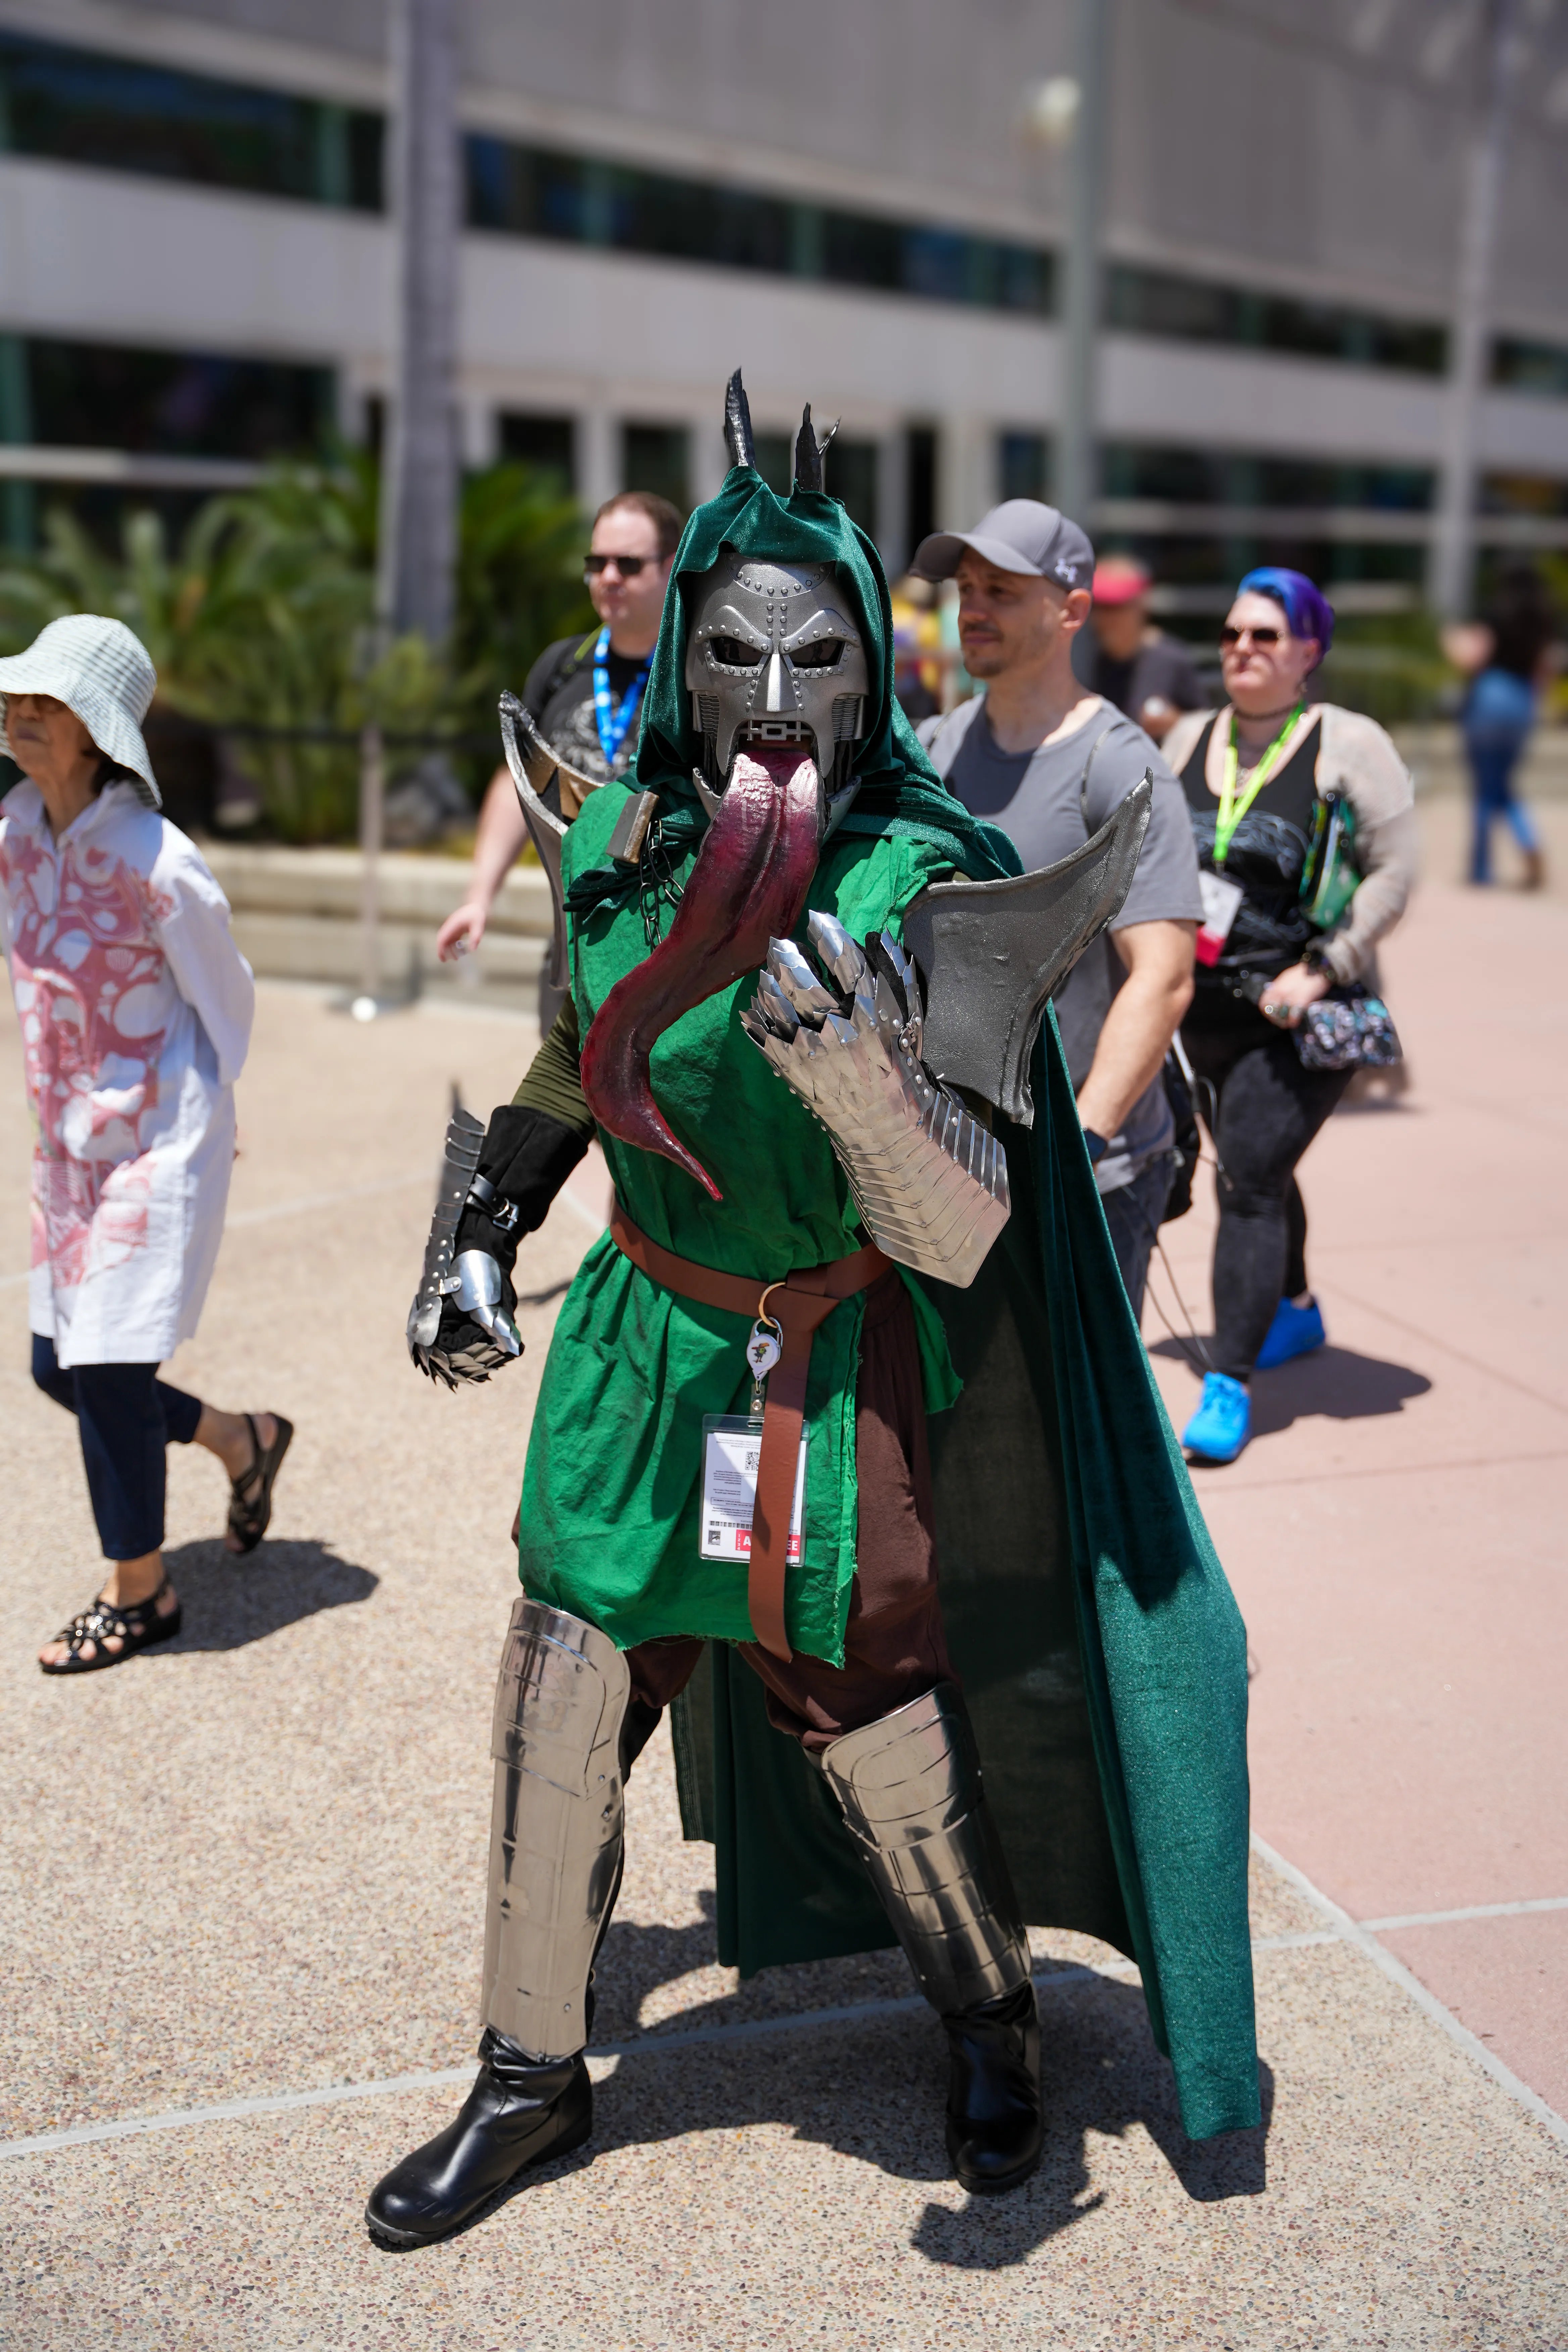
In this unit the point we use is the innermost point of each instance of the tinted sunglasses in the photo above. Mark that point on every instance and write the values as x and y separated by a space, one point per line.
1264 637
628 566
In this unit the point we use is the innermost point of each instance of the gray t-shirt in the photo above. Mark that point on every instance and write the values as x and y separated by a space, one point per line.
1039 798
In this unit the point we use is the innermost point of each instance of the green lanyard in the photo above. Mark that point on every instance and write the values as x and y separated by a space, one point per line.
1231 812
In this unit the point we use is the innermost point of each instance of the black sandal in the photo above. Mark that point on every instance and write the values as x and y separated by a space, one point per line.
136 1626
250 1494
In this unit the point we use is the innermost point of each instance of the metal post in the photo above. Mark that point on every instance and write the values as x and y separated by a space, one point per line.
419 477
372 799
1453 540
1077 484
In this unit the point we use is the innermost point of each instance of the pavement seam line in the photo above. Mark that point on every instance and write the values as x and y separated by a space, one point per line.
654 2044
1459 1355
1356 1933
1474 1911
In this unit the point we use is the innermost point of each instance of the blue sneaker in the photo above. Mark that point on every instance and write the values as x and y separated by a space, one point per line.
1223 1422
1295 1332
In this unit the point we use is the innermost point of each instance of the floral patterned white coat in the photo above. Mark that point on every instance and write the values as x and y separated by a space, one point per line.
136 1008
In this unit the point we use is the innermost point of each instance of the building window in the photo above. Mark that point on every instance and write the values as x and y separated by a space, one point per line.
1023 465
1190 309
775 461
849 474
188 403
920 483
548 444
80 106
1234 478
1543 495
535 191
1530 367
657 457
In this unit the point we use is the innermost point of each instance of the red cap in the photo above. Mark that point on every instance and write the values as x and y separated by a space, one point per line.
1118 578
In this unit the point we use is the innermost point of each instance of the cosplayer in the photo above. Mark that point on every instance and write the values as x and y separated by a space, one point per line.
805 1021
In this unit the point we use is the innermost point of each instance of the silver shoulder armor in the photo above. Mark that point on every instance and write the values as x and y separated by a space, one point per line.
929 1180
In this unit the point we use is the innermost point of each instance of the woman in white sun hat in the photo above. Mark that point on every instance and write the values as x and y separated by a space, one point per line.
135 1007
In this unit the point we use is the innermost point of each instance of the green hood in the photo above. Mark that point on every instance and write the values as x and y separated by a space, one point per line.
901 791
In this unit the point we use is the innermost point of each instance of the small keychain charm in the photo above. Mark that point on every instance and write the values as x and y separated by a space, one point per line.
764 1349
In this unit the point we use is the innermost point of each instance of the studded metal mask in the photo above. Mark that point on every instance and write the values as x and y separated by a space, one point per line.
774 657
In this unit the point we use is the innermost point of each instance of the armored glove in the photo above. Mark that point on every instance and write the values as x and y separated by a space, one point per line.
497 1184
929 1180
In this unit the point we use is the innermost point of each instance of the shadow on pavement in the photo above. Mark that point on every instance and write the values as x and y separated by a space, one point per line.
874 2090
1335 1384
229 1602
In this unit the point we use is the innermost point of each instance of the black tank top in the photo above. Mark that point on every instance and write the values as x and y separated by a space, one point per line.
1267 856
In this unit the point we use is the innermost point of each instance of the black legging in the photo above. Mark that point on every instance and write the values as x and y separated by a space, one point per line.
1269 1109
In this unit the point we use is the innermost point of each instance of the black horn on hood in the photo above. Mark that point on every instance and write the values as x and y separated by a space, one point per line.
809 451
738 422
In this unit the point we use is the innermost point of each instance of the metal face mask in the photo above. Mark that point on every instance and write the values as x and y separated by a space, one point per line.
774 657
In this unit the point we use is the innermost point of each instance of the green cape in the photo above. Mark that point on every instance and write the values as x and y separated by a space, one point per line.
1101 1649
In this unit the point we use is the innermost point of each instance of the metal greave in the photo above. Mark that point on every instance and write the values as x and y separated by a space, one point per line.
911 1792
556 1826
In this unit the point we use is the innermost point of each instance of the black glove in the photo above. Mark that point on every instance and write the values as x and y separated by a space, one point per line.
525 1158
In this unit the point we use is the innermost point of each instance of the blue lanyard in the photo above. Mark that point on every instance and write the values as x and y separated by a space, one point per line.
613 724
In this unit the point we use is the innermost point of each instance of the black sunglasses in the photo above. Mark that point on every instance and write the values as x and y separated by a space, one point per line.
628 566
1264 637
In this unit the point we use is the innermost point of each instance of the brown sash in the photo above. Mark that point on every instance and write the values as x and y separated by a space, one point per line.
799 1304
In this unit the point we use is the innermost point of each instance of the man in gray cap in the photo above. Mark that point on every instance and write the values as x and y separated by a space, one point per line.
1048 761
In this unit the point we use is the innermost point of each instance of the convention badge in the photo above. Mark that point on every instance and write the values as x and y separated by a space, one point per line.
731 1449
1221 898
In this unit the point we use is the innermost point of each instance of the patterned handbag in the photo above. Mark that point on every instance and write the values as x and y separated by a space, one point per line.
1348 1030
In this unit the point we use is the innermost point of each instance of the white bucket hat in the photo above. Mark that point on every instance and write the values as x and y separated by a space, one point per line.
104 672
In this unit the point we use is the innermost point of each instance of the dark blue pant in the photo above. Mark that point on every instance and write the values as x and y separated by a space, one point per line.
127 1416
1493 759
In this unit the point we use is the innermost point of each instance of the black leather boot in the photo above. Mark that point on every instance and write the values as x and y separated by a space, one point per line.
522 2111
993 2092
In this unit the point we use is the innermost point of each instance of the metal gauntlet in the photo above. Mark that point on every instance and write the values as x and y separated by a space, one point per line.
460 1326
929 1180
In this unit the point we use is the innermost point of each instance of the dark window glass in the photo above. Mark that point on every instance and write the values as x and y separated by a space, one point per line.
656 458
1023 465
185 403
531 191
1156 302
84 108
919 484
1530 367
548 443
775 461
1526 494
1184 477
849 474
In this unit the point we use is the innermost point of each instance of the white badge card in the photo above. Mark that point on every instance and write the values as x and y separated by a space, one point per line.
731 1449
1220 900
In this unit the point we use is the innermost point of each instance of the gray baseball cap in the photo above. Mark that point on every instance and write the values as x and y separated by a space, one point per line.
1020 535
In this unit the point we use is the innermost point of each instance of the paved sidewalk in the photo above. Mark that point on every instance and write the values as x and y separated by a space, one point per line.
245 1874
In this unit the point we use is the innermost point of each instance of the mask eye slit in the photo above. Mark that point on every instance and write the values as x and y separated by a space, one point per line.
731 654
824 653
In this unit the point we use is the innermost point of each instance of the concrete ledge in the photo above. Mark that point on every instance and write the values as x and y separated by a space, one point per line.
297 916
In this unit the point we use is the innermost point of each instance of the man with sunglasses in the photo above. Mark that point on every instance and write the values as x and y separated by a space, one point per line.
1049 761
585 693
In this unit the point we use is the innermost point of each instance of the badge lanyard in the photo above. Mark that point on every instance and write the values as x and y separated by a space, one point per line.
1231 811
613 724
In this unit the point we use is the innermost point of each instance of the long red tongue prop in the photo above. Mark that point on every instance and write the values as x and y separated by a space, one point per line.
748 885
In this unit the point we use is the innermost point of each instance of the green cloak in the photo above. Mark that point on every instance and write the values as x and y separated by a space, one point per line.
1100 1650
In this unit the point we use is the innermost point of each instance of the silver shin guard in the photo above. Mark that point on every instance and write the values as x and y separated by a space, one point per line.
909 1788
555 1830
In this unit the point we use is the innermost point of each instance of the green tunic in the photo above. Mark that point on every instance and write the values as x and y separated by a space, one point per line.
613 1486
1101 1652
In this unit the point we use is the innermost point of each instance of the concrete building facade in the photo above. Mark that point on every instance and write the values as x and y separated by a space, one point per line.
861 203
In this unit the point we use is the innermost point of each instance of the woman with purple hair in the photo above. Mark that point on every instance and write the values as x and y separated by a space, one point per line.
1260 777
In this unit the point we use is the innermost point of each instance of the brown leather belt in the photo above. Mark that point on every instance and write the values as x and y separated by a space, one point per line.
800 1303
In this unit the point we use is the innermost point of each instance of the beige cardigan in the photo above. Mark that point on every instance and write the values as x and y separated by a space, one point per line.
1356 757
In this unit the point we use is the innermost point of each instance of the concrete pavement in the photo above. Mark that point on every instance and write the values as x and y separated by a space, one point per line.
242 1885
